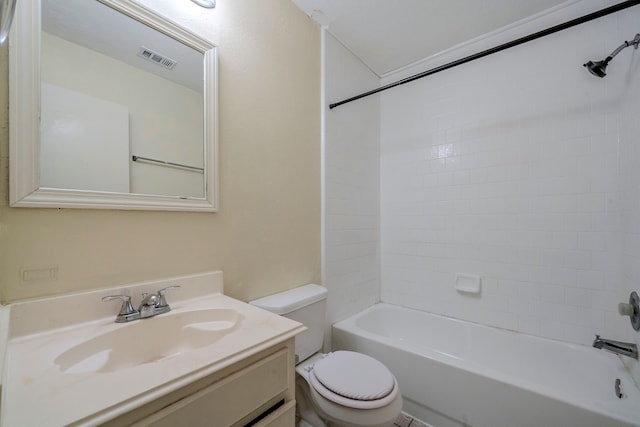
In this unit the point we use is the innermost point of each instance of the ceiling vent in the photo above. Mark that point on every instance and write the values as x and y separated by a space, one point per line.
156 58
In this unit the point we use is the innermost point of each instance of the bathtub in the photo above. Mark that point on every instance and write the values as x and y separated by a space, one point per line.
455 373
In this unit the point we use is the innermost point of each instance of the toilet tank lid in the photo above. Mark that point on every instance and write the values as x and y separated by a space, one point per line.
291 300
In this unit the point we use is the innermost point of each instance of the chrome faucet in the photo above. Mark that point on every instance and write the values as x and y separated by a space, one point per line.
151 305
161 305
624 348
126 313
147 306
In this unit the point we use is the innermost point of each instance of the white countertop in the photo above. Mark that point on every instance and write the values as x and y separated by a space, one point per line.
37 393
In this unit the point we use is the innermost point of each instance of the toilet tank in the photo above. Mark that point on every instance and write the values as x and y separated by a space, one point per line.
305 304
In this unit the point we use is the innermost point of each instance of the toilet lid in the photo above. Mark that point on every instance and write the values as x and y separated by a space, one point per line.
353 376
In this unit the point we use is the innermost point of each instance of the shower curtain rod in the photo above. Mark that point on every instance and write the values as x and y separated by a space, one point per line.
572 23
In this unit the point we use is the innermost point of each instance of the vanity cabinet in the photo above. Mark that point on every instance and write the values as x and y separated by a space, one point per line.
258 391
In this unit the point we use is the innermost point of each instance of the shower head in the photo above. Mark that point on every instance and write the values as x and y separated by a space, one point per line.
598 68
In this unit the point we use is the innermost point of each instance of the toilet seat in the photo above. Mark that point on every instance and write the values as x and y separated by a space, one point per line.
353 380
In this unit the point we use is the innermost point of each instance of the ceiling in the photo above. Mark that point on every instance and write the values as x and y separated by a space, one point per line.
385 35
390 35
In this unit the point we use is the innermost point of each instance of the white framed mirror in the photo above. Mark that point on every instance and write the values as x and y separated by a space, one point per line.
111 107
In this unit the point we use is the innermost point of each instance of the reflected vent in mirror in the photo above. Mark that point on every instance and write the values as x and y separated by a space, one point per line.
155 57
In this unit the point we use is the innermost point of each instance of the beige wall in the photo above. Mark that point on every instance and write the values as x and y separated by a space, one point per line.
266 235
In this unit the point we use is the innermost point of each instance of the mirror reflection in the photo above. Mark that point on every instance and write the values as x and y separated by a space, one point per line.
122 105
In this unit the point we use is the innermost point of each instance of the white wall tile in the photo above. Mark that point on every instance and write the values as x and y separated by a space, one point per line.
351 188
527 178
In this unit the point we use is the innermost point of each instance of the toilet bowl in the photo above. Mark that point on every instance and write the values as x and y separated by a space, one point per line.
349 389
342 388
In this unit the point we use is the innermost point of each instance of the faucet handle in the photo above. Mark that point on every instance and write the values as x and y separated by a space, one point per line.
161 292
632 309
126 309
625 309
168 288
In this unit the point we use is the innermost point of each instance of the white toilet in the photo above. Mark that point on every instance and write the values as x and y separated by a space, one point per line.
342 388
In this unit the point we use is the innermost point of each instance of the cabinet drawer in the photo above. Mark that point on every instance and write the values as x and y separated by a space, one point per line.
231 399
285 416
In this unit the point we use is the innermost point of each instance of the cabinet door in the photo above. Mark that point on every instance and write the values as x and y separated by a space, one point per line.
241 395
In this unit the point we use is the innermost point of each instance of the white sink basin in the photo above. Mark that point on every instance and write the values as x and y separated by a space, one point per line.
149 340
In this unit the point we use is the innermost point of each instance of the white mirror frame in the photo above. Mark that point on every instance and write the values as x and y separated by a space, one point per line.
24 120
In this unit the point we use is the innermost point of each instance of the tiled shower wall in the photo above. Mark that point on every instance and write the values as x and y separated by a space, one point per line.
351 186
521 168
630 181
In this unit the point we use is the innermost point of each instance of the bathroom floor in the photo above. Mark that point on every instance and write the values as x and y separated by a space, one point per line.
406 420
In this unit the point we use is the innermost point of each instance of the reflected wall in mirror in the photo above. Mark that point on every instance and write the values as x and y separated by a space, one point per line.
127 109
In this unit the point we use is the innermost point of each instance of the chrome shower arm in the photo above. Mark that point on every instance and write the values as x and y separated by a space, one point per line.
626 44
